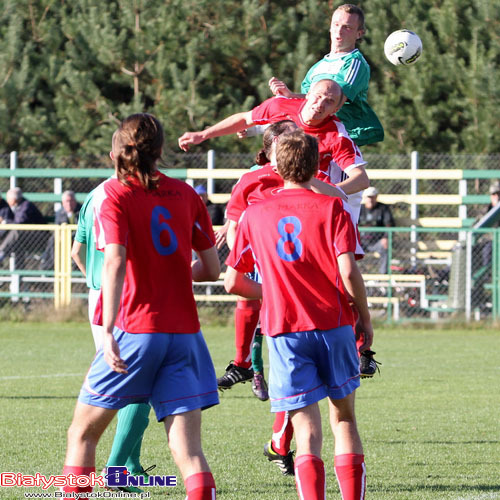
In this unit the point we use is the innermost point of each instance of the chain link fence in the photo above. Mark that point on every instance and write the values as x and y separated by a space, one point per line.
438 266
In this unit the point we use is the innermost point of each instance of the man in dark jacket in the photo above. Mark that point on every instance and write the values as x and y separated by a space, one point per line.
375 214
215 211
68 213
24 212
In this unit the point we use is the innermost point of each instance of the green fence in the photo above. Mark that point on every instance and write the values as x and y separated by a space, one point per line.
438 264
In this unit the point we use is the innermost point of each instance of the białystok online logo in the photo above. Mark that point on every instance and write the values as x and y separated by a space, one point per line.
119 477
115 478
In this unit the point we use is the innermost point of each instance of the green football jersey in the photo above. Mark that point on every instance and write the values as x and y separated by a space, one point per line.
352 73
85 234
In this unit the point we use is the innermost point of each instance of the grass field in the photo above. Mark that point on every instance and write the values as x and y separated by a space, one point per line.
430 422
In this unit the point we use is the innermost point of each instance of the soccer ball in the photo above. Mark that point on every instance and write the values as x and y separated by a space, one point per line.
403 47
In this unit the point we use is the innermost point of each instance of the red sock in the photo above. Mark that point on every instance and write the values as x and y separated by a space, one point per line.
360 342
77 471
310 477
246 317
351 475
200 486
282 433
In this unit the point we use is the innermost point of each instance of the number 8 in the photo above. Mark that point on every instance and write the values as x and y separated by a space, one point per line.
291 238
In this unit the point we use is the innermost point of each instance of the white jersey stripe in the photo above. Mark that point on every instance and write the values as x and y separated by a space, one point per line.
363 483
353 71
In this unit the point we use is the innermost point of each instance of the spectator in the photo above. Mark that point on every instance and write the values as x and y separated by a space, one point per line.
215 211
486 252
24 212
68 213
6 215
375 214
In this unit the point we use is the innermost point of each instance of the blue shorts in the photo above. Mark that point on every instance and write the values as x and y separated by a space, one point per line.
172 371
306 367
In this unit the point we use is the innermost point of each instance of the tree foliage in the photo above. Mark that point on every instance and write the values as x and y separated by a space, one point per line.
70 71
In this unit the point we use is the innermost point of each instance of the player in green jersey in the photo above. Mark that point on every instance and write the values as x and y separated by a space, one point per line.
346 65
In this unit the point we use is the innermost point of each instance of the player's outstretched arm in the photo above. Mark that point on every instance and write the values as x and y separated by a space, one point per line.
280 88
207 267
355 286
230 125
239 284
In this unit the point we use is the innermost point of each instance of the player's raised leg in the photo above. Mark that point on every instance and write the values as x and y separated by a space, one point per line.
259 384
246 317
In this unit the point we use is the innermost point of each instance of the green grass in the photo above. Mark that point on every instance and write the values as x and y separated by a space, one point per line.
429 422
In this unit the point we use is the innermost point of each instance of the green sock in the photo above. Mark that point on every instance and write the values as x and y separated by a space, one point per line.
126 450
257 362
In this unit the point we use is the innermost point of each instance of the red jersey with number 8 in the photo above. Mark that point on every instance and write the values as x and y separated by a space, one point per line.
294 238
159 229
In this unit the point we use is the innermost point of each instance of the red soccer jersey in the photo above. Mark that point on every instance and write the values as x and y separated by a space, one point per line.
159 229
337 151
251 188
294 238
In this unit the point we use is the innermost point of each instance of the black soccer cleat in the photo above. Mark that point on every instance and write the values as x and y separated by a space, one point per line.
367 364
234 375
284 462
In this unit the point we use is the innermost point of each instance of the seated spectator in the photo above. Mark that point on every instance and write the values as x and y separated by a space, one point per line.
375 214
68 213
215 211
24 212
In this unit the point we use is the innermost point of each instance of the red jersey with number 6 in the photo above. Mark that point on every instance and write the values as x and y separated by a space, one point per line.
294 238
159 229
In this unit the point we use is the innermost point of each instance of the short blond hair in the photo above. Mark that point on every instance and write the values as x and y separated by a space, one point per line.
297 156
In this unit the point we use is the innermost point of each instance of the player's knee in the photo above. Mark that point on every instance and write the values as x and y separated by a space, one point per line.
82 432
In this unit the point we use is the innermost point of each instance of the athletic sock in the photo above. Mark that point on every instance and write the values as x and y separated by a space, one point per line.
310 477
126 450
257 361
282 433
246 317
77 471
351 475
200 486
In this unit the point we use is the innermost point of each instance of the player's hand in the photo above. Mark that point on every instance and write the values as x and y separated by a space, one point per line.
242 134
221 236
364 330
279 88
189 138
112 354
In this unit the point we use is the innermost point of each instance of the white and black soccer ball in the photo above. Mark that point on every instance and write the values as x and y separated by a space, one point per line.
403 47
